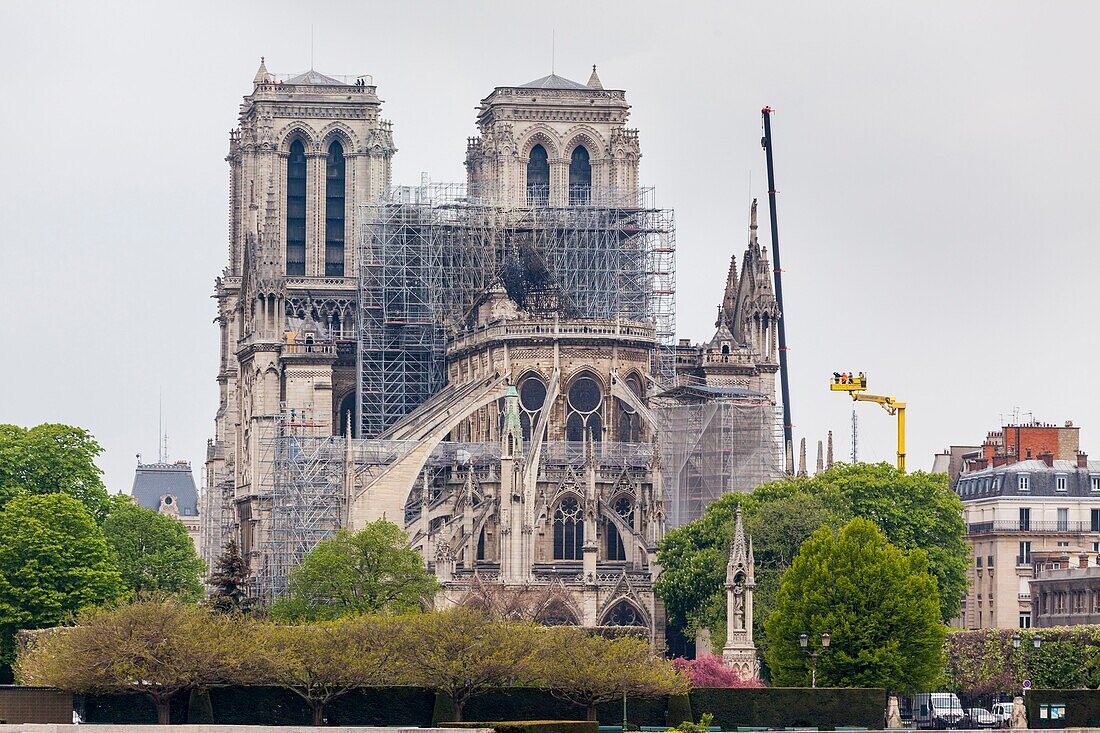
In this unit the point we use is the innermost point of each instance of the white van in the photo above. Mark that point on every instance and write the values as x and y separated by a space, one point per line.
939 710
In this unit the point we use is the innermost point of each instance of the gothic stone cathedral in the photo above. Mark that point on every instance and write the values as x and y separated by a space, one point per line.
528 470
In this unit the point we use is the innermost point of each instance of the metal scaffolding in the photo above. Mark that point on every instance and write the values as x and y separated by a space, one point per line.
430 254
715 441
308 495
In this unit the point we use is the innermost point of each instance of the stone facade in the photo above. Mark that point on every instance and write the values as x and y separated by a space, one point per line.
1068 596
532 480
307 149
1024 517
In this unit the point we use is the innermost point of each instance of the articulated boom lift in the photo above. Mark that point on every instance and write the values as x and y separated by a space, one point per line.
856 386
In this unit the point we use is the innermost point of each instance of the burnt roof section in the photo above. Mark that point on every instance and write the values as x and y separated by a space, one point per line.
153 481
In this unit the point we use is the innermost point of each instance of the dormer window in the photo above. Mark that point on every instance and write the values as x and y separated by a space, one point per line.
1060 482
1023 482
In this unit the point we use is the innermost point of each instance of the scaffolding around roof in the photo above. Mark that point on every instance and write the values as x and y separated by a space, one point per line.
430 255
715 441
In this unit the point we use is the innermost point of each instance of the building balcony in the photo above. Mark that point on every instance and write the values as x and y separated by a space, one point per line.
1034 527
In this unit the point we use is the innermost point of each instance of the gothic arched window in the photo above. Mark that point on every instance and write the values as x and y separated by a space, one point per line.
334 210
616 548
568 529
580 176
584 399
623 613
481 545
538 177
532 393
629 421
296 209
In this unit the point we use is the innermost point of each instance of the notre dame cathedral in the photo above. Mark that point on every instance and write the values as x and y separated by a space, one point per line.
493 366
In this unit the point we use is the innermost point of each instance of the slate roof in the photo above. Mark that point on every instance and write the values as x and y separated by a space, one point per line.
1003 481
553 81
152 481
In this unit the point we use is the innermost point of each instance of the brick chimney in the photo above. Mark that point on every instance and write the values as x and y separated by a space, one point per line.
1082 459
1047 457
1083 561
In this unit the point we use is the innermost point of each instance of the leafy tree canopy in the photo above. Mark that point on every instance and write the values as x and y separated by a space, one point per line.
325 661
52 459
368 571
878 604
463 653
152 551
53 561
586 670
914 511
156 646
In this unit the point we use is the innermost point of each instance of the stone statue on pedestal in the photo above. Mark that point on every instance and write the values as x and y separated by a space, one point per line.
739 651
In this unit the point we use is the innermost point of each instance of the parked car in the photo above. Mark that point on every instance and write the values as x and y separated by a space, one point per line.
939 710
979 718
1002 711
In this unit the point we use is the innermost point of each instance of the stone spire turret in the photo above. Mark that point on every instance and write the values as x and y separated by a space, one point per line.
802 458
820 460
829 453
739 651
594 80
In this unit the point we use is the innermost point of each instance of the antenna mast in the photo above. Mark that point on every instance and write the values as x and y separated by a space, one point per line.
788 426
855 437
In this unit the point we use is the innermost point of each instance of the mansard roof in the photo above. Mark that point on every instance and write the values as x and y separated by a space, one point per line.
155 480
553 81
314 78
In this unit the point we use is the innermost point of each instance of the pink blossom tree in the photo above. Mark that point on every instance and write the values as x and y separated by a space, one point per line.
709 671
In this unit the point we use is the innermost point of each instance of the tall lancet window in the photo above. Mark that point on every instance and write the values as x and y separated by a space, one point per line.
296 209
538 177
334 211
580 176
568 530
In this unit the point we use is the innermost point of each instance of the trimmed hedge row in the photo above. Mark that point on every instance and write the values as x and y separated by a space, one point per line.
532 726
1082 708
775 707
788 707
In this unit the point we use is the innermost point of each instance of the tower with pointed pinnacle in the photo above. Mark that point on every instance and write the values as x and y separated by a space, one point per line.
740 651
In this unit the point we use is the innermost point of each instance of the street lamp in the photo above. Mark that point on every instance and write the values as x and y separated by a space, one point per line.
804 642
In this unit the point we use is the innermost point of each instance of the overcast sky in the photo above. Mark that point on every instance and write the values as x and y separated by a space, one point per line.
937 166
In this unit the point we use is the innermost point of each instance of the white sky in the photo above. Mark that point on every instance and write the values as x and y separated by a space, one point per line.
937 164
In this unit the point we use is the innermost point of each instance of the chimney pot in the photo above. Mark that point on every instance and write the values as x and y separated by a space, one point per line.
1082 459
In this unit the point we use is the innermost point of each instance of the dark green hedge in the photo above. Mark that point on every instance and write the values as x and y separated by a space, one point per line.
376 706
533 726
783 707
1082 708
414 706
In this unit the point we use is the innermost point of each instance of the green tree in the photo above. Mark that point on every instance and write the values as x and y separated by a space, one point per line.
463 653
368 571
322 662
915 511
152 551
229 582
158 647
879 605
52 459
54 561
586 670
693 557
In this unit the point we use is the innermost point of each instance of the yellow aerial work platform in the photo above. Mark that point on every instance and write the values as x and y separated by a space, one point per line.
856 386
